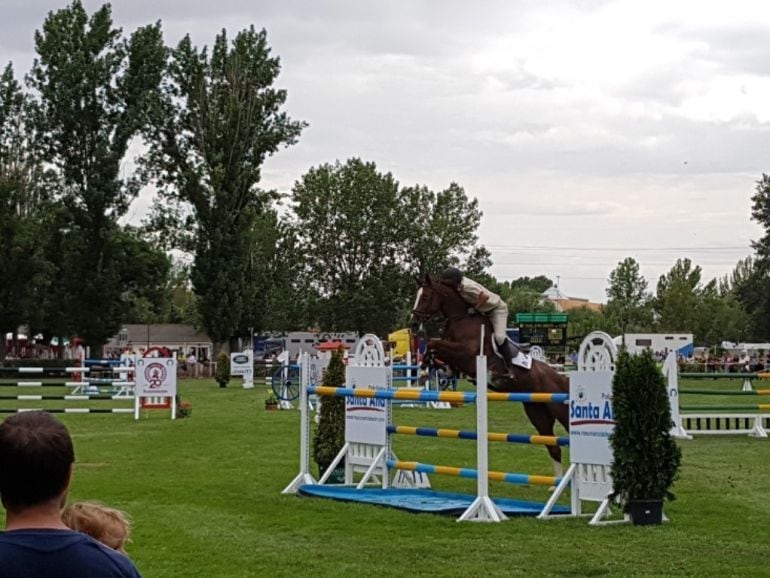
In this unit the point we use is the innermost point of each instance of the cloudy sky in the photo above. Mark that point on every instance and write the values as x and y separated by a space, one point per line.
588 130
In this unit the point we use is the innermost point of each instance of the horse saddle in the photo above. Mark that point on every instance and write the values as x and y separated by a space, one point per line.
521 355
523 347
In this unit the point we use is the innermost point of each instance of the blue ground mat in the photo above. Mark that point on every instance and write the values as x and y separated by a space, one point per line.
422 500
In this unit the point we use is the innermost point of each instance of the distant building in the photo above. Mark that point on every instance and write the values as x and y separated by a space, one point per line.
172 336
564 303
681 343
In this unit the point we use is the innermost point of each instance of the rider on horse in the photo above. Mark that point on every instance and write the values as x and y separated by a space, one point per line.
485 301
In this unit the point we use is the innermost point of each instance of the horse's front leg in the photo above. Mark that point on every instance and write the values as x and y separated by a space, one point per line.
453 354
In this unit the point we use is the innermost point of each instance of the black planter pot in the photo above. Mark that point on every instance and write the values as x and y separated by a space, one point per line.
646 512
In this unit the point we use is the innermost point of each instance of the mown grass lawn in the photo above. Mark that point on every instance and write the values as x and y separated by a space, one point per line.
205 495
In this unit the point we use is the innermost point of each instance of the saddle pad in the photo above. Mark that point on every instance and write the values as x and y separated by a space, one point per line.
522 360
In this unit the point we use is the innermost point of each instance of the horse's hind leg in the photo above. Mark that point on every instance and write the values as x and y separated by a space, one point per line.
544 421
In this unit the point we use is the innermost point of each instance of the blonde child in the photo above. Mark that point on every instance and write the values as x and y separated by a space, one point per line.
109 526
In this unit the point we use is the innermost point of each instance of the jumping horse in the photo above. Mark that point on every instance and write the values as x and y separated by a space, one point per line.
460 345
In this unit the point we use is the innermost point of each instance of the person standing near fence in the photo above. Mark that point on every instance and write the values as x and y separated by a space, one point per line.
192 362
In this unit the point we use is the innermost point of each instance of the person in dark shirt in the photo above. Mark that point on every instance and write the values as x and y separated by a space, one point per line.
36 458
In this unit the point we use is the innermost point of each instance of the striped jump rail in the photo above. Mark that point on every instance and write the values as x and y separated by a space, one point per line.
44 384
450 396
712 375
519 479
726 407
44 370
472 435
61 397
725 392
69 410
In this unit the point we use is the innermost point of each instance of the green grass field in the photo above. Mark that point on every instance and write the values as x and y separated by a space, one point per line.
205 495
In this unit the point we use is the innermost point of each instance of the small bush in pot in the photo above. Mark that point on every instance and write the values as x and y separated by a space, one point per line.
646 457
222 376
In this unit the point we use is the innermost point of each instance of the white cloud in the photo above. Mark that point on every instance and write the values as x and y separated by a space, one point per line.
577 124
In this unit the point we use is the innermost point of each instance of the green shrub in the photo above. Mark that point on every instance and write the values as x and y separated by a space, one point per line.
330 435
646 457
222 376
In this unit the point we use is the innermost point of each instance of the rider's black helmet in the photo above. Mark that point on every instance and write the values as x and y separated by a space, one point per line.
452 274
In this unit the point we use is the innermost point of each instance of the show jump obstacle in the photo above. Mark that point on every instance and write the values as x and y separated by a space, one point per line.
750 419
368 426
154 386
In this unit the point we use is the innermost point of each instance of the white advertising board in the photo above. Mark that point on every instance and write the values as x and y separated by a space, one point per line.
591 420
366 419
156 377
242 364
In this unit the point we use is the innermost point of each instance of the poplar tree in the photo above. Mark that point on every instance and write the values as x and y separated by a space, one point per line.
24 270
220 118
93 92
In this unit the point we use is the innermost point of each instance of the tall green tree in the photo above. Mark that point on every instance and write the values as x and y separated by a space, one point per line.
756 298
719 316
677 299
24 199
629 305
220 117
290 302
93 92
747 284
351 229
365 238
441 230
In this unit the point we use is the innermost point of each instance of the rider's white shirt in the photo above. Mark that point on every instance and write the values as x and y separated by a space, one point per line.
470 291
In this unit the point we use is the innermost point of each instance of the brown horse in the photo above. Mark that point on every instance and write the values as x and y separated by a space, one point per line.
460 346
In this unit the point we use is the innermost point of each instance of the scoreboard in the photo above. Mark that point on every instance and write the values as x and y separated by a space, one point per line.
543 329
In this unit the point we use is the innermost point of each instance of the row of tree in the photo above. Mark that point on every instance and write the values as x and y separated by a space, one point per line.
105 115
339 252
714 311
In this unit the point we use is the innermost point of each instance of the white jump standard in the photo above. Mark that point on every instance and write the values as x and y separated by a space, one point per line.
367 450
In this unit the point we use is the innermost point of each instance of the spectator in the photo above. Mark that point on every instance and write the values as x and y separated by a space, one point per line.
111 527
191 361
182 361
36 458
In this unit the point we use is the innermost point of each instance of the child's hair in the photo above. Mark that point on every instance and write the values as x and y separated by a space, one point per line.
110 526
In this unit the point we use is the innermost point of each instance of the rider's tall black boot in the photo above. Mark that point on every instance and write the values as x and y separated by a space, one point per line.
508 351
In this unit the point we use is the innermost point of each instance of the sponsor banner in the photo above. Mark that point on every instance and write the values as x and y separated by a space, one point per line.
156 376
591 420
366 419
317 368
242 363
